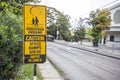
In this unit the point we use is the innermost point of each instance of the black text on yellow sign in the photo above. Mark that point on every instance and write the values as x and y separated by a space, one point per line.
34 38
35 48
34 44
35 19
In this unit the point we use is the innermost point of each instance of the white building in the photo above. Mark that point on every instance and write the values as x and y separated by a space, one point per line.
112 36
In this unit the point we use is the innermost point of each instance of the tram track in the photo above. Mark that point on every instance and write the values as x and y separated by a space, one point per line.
93 51
80 58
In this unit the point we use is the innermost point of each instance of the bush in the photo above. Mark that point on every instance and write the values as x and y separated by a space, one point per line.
10 52
10 44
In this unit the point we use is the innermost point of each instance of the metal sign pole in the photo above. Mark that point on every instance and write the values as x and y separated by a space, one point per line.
35 72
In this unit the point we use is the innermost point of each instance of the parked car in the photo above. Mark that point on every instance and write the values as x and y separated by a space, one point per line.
50 38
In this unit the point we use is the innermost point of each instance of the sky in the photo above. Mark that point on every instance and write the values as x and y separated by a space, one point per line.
77 8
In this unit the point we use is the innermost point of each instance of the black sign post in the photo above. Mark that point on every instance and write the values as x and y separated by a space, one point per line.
35 72
34 35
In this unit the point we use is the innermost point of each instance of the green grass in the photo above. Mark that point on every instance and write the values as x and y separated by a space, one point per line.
26 72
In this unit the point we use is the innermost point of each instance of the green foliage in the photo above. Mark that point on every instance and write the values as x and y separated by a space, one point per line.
10 52
25 72
95 34
15 6
52 15
11 20
79 33
58 21
10 43
52 30
100 21
89 33
63 26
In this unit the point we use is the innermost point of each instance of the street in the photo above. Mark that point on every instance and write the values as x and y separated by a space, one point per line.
77 64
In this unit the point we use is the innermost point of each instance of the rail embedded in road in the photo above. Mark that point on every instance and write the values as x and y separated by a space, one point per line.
96 51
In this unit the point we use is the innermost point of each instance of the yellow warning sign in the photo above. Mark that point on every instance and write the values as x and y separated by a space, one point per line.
34 33
35 19
32 48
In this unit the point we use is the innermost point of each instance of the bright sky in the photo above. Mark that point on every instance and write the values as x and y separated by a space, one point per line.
76 8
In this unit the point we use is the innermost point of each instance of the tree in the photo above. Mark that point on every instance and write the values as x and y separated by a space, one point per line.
51 30
80 31
63 26
57 21
52 15
99 20
88 33
14 6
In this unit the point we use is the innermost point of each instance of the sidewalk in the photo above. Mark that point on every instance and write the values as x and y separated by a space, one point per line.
49 72
102 49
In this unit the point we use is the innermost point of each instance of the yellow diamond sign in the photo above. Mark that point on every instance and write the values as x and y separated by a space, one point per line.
34 45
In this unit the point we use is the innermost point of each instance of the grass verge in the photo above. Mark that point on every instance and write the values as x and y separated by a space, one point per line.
26 72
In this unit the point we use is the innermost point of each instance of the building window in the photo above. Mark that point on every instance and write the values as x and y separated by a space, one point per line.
111 38
116 17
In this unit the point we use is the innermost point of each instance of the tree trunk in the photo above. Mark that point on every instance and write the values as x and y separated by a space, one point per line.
95 43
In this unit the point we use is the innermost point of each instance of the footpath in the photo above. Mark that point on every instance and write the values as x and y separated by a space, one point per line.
49 72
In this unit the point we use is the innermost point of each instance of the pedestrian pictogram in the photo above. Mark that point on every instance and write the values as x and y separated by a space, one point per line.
34 44
35 21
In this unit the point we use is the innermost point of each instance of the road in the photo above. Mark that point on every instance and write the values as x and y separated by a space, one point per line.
77 64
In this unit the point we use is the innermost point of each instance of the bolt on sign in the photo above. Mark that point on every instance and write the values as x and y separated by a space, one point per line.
34 34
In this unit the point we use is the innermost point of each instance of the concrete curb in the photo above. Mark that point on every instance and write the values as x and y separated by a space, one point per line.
62 74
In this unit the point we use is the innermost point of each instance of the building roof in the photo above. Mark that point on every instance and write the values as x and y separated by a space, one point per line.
114 6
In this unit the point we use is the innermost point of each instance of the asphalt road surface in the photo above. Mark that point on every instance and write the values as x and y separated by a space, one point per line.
77 64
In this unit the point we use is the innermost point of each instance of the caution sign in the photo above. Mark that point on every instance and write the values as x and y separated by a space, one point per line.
34 45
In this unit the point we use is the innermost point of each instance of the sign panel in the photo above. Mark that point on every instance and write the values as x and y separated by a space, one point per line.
34 44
